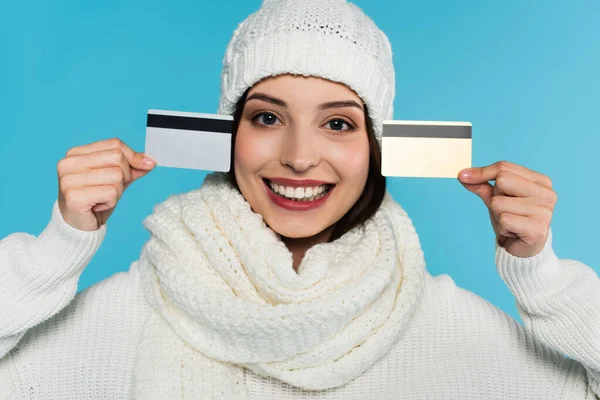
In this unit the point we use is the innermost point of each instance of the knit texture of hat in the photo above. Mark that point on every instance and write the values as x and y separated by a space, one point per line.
331 39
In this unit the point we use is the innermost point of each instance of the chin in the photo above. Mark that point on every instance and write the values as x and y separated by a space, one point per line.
290 230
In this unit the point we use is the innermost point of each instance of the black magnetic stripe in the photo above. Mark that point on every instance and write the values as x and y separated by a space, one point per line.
427 131
190 123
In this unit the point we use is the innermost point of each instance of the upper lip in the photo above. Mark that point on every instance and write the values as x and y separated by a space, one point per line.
297 182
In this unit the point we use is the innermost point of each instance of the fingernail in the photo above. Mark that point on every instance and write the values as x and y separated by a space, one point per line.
148 162
465 174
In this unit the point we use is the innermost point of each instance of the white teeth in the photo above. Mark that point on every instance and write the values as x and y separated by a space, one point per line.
299 193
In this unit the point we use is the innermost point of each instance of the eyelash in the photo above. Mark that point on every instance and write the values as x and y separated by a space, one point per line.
255 118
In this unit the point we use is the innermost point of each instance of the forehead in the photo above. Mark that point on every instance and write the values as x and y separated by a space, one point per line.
307 89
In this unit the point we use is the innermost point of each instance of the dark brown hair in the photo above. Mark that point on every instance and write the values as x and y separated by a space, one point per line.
371 197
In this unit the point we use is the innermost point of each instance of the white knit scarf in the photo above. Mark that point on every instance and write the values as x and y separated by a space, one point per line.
225 297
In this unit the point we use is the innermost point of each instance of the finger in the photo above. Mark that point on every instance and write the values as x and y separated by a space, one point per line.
490 172
497 191
506 224
528 229
515 185
103 207
523 206
82 200
483 190
496 224
135 159
95 160
96 177
94 147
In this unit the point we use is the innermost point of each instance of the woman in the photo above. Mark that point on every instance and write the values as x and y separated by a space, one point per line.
295 276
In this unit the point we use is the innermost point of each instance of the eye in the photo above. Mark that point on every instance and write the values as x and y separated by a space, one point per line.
265 118
338 125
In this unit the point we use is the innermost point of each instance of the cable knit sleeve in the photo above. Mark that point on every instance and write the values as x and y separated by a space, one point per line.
38 276
559 302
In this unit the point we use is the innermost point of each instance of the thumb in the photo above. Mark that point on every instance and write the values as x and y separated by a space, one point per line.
137 174
141 165
142 162
483 190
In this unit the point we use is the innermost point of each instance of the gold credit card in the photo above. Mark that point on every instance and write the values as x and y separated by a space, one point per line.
425 149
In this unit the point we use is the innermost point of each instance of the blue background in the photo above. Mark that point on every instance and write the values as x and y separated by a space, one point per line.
525 73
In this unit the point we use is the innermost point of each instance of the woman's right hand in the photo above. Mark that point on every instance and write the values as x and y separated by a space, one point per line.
92 179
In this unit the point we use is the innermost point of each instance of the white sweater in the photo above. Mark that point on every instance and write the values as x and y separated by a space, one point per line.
55 344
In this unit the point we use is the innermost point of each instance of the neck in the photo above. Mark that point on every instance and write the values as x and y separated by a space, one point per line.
299 246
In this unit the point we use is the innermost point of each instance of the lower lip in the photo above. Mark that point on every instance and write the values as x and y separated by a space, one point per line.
296 205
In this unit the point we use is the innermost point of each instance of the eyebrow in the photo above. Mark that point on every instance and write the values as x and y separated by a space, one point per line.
323 106
339 104
267 98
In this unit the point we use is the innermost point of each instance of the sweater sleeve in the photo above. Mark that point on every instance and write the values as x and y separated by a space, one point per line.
39 275
559 302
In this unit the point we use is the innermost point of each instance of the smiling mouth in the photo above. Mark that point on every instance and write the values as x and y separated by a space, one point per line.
299 193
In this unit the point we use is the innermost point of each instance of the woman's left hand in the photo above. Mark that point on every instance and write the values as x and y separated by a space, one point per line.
520 204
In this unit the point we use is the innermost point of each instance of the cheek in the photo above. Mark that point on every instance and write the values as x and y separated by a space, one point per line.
351 162
251 150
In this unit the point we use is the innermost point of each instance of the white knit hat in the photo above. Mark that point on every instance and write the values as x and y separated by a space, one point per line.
331 39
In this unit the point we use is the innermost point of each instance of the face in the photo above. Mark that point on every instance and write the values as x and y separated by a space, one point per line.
301 155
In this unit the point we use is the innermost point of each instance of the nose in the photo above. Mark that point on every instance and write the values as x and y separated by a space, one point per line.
300 150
